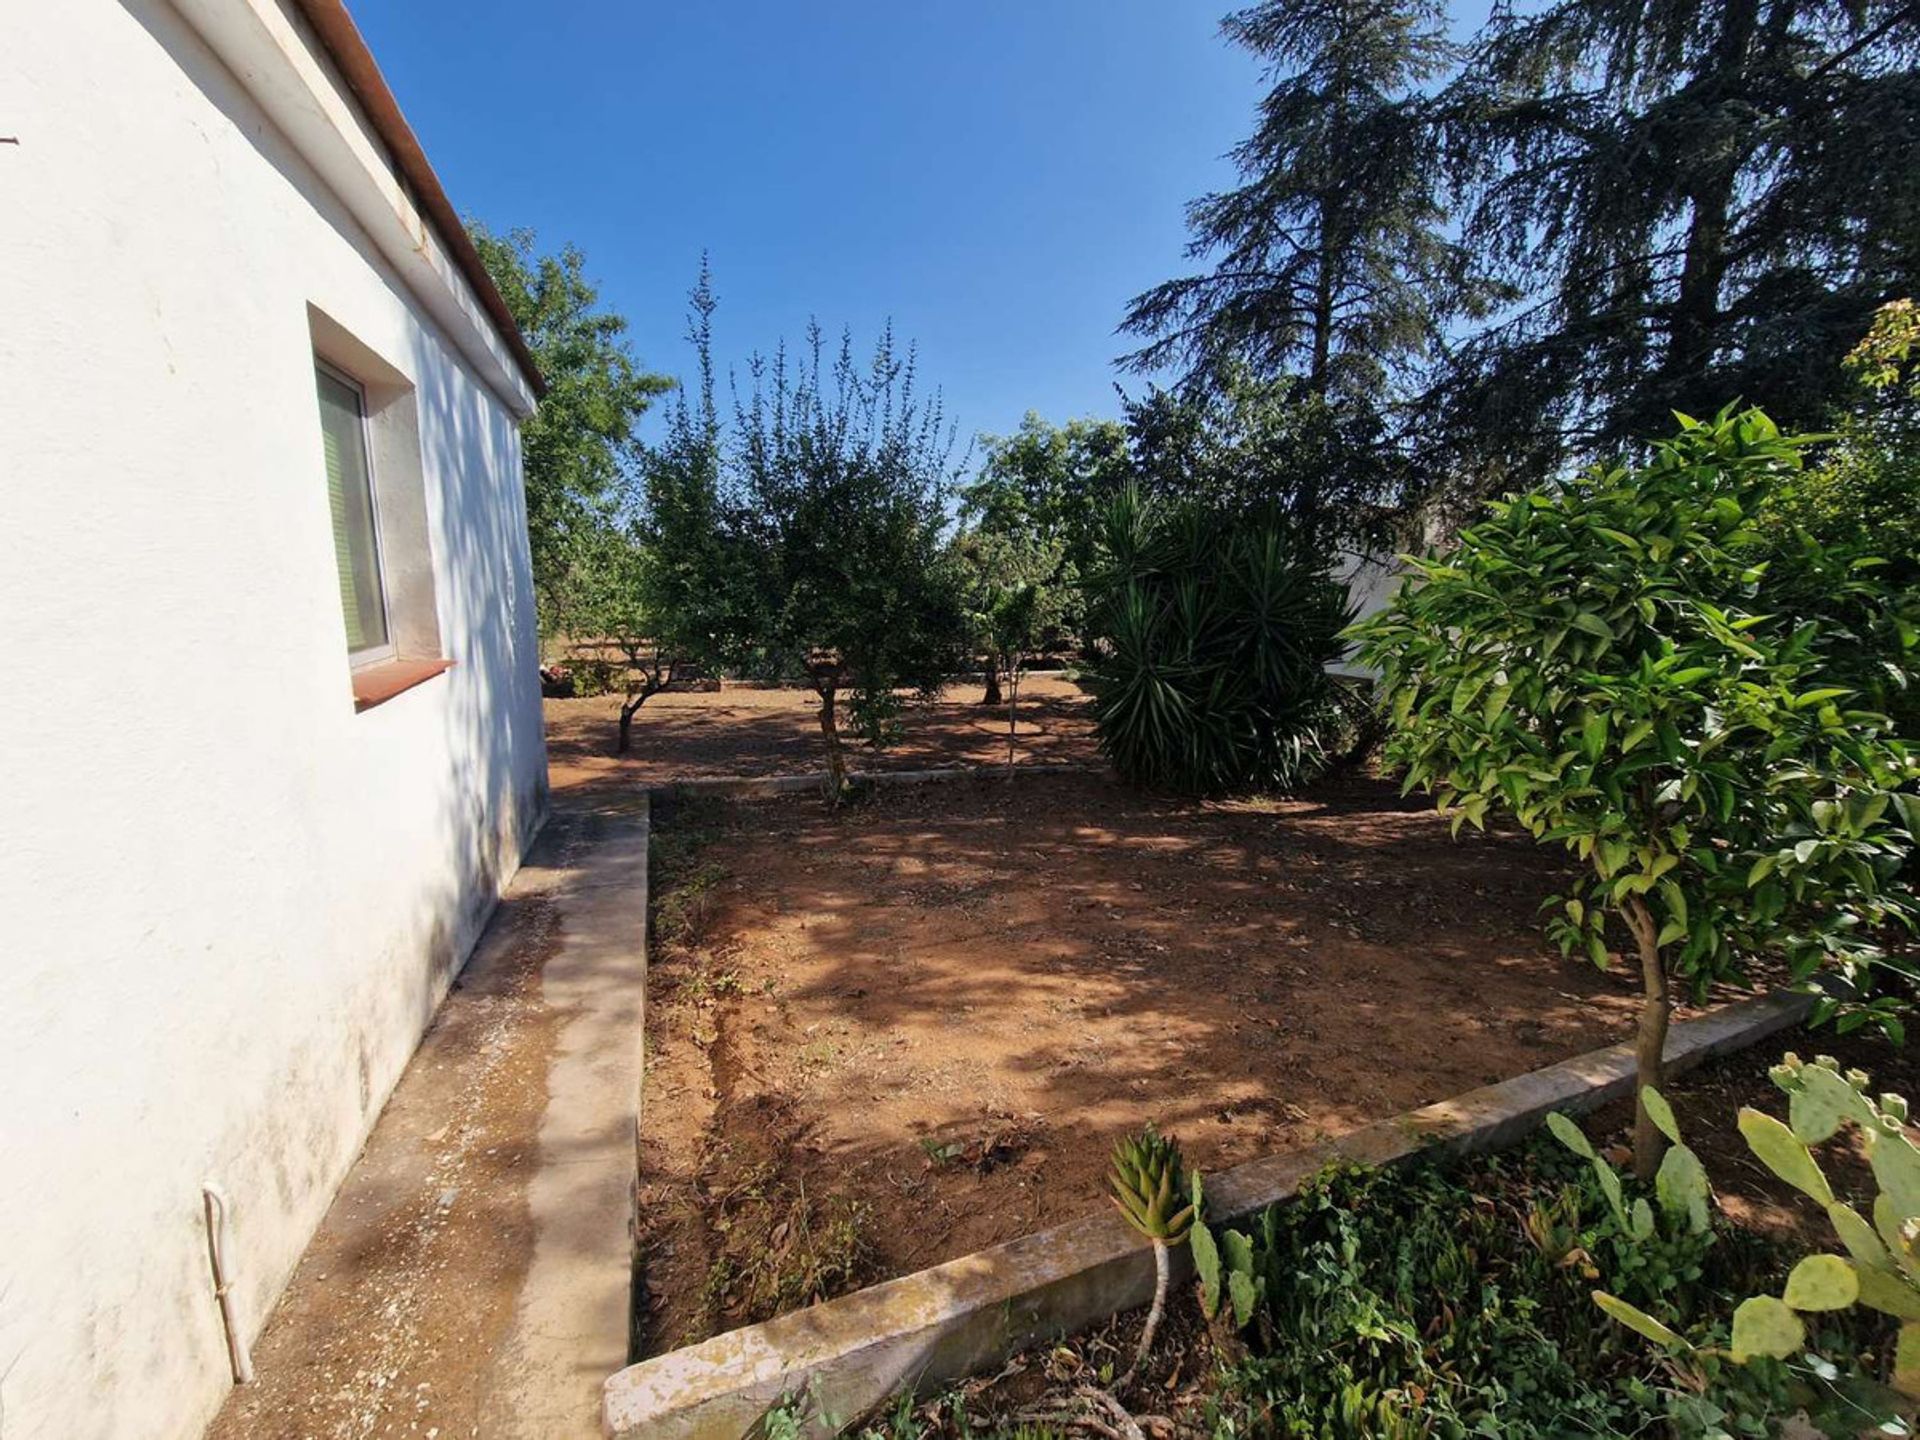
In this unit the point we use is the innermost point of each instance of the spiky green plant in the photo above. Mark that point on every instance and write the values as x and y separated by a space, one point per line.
1213 636
1148 1184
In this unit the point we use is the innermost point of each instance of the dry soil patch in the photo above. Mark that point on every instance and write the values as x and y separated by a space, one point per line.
890 1035
745 731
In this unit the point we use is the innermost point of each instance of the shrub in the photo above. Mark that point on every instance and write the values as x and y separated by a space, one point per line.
1213 638
1604 662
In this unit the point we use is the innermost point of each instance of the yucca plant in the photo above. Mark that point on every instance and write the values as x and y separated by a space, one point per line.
1212 637
1149 1186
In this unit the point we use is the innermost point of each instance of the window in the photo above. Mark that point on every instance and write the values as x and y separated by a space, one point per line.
377 507
356 531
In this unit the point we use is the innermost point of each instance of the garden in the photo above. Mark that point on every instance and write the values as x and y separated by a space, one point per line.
1237 852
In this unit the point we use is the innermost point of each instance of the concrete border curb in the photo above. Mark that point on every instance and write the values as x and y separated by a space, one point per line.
749 787
956 1318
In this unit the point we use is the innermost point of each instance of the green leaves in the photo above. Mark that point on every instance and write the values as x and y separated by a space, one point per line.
1214 642
1658 714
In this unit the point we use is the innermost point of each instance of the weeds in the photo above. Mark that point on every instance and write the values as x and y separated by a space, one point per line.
682 915
778 1247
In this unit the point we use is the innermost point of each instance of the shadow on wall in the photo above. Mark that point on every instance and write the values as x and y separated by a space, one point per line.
138 1333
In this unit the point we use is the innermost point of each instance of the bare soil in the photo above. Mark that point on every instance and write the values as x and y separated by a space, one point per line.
886 1036
746 731
1707 1103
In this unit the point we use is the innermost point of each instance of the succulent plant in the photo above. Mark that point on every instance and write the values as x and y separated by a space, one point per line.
1881 1269
1226 1268
1148 1182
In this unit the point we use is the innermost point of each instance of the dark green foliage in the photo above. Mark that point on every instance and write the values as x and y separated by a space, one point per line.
1691 203
1328 257
577 448
1446 1303
807 542
1273 448
1214 632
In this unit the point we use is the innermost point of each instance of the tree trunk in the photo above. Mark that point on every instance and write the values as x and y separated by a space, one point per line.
1698 320
627 712
830 733
1650 1044
1013 710
992 697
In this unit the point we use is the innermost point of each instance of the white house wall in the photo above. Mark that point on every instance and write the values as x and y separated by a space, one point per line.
230 903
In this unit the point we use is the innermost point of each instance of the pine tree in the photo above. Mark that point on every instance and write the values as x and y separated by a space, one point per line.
1330 257
1692 201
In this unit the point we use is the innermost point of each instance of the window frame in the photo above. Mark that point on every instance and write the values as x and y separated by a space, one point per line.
386 650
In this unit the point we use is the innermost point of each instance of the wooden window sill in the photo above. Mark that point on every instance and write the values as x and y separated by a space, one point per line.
378 683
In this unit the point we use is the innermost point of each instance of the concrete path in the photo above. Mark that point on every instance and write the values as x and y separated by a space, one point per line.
472 1277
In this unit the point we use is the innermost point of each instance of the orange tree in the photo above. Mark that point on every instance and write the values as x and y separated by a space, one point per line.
1601 662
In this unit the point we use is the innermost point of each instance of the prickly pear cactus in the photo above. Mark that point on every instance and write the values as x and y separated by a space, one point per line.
1227 1268
1881 1268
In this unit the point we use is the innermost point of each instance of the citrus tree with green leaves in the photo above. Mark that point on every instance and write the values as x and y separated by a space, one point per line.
1601 662
1016 592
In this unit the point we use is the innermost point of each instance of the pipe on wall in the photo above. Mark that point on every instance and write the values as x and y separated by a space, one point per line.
217 1206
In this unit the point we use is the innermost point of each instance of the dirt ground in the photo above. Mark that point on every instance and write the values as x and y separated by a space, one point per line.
885 1037
1707 1104
742 731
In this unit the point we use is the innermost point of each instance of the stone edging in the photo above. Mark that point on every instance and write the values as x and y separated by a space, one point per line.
750 787
960 1317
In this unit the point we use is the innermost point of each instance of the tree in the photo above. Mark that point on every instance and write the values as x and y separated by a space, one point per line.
577 447
1045 485
1602 661
1692 203
612 599
808 542
699 593
1330 258
1270 450
1213 637
1017 594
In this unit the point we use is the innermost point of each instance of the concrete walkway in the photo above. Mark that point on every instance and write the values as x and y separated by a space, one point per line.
472 1277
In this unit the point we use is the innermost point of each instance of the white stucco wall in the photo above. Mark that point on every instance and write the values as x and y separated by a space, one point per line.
228 903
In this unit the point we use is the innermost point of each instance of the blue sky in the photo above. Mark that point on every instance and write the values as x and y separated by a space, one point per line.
998 177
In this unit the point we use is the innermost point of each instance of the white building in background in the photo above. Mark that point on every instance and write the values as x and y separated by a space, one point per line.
271 721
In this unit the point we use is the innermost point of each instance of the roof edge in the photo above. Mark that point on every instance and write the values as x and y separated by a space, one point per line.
347 49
